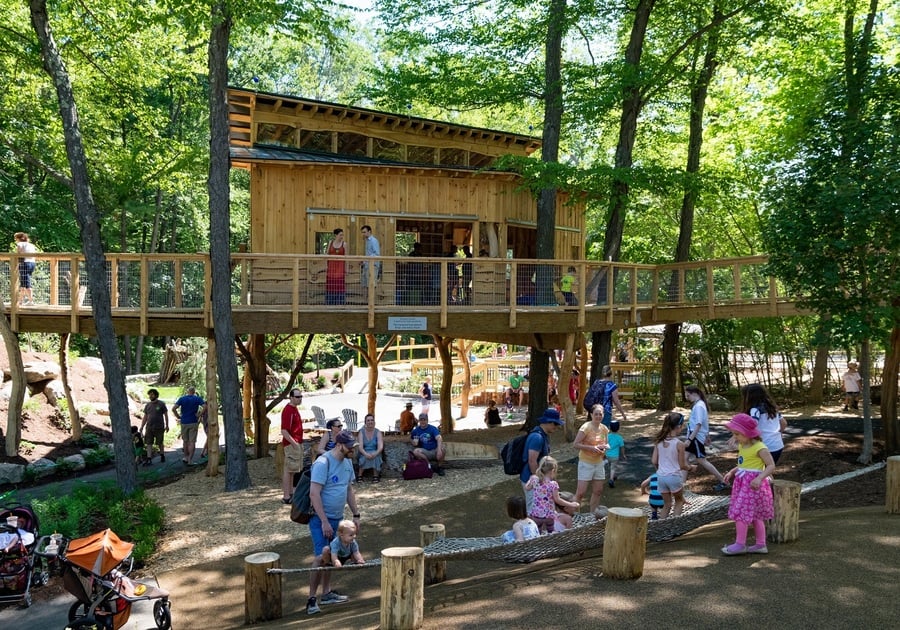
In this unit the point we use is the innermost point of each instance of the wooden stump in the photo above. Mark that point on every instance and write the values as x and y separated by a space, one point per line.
402 588
624 543
785 527
279 460
892 492
435 570
262 591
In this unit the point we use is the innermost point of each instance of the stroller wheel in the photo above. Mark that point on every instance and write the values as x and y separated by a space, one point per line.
26 601
161 614
79 611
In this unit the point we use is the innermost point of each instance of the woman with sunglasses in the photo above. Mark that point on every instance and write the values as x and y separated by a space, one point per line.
327 441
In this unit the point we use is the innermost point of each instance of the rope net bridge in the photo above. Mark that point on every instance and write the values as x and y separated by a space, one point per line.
585 534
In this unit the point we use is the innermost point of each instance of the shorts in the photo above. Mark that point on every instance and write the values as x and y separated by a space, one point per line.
431 455
189 432
154 437
319 542
696 448
670 483
293 458
25 271
588 471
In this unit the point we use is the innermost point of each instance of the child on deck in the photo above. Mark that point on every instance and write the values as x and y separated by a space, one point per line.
546 494
751 494
670 461
524 528
615 451
650 487
343 546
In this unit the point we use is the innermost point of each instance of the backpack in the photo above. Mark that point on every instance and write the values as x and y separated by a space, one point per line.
417 469
599 393
513 455
301 506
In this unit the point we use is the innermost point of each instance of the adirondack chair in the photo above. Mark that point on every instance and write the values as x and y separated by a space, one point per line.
350 420
319 413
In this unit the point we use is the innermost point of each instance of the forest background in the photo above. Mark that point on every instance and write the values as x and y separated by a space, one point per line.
697 130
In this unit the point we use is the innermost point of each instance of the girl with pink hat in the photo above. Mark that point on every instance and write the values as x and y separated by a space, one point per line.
751 494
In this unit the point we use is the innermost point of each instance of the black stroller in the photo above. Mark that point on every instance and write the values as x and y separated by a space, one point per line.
18 540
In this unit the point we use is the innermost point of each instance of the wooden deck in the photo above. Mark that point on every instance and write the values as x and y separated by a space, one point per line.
507 301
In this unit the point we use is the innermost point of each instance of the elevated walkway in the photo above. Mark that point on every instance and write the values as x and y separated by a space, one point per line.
511 301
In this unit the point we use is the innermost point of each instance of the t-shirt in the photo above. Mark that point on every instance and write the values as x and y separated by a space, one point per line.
851 382
769 429
292 423
515 382
343 552
655 499
748 456
668 462
566 283
188 406
593 437
426 391
335 478
155 413
699 416
538 441
427 436
544 506
614 442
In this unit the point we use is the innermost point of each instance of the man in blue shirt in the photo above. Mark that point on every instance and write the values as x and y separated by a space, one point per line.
537 445
373 248
428 443
187 411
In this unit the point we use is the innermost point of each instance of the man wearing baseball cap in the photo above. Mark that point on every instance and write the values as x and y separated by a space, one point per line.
537 445
329 490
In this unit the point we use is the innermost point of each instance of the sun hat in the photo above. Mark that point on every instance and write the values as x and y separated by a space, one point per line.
409 404
346 438
551 416
743 424
852 364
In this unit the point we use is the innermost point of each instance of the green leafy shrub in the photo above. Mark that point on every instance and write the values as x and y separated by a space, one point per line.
91 508
96 457
89 440
320 382
64 467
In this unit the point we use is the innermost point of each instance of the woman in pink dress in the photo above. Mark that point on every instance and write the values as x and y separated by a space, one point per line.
334 271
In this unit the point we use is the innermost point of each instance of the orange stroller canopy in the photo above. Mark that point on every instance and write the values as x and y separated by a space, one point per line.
98 553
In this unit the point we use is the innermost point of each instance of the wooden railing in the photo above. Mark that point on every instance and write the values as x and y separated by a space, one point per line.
149 285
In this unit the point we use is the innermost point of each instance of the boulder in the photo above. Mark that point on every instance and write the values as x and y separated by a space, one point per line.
37 371
54 392
718 403
76 462
42 467
11 473
6 390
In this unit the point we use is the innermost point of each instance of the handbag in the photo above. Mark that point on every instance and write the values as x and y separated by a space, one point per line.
417 469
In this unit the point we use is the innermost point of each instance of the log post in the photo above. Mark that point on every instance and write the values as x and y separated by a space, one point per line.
402 588
624 543
892 492
785 527
279 460
435 570
262 590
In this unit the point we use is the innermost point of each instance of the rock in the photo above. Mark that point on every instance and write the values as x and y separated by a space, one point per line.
38 371
42 467
76 462
6 390
718 403
11 473
54 392
91 363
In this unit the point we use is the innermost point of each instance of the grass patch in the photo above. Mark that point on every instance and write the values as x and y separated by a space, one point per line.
91 508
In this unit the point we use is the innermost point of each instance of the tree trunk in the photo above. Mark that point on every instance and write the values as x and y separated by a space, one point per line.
538 373
442 345
17 395
865 457
373 360
95 261
74 414
462 350
212 410
889 394
699 90
820 370
236 474
256 365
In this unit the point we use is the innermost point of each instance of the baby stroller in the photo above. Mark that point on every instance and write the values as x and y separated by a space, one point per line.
95 570
18 540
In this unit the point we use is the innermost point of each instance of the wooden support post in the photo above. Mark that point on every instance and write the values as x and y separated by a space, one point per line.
402 588
892 492
435 570
625 543
262 590
785 527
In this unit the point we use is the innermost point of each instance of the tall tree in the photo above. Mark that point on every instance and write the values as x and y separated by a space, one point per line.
92 246
833 208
